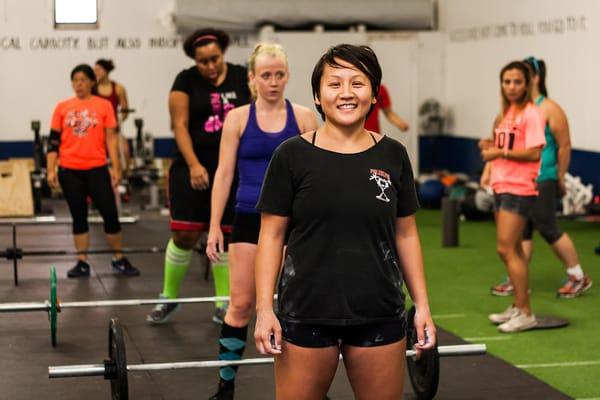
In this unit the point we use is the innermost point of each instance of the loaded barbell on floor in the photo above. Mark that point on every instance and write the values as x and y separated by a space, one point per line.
53 306
115 368
15 253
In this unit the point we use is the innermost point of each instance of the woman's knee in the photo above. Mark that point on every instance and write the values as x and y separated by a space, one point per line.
185 239
505 250
240 309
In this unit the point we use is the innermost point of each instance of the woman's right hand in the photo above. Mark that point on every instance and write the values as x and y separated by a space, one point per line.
52 179
267 332
199 179
214 244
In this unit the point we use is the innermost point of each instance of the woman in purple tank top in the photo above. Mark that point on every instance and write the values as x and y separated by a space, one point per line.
250 135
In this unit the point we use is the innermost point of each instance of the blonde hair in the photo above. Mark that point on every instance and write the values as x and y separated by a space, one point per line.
265 48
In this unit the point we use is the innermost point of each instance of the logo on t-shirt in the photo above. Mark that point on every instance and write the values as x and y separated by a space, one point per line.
382 179
220 108
80 121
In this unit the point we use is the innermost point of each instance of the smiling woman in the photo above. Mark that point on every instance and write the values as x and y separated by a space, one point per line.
348 300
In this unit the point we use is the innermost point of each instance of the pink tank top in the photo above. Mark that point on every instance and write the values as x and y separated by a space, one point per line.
518 130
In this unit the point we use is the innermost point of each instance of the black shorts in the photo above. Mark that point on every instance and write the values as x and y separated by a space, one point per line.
521 205
367 335
246 228
190 208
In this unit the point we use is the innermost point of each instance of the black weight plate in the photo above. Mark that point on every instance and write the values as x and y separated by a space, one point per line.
424 373
118 359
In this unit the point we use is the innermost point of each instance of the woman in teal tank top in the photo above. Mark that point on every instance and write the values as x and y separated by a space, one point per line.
555 159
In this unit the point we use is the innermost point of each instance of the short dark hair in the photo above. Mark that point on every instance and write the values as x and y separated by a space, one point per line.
87 71
106 64
361 57
202 37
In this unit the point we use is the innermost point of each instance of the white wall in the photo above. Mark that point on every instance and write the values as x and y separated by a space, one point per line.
484 35
33 79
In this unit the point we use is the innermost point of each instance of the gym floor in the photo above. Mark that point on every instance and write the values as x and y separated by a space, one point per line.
190 335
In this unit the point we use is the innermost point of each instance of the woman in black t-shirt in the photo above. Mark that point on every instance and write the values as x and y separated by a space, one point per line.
349 196
199 101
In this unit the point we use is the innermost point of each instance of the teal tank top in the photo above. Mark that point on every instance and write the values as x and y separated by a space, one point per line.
549 157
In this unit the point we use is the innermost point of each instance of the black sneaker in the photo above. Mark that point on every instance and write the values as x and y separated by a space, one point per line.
80 270
161 313
223 394
219 315
123 266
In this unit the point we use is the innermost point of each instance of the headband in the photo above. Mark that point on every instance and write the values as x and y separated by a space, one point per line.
205 37
534 62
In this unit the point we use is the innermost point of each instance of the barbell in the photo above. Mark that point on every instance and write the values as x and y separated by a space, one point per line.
53 306
115 368
16 253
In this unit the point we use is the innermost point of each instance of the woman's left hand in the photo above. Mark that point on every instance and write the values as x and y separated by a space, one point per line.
426 332
115 177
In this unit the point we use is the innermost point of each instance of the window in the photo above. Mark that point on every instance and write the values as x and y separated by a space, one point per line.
75 14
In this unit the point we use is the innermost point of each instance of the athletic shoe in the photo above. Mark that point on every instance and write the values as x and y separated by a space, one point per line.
518 323
161 313
573 287
123 266
504 288
80 270
223 394
597 250
504 316
219 315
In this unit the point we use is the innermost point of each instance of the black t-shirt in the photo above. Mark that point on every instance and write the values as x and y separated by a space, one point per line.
208 106
341 266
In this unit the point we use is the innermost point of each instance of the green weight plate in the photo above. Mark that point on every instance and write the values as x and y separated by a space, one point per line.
118 361
424 373
53 311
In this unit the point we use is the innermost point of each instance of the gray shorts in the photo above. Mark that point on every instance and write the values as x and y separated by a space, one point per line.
521 205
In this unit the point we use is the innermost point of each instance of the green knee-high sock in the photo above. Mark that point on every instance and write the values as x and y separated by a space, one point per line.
220 272
177 261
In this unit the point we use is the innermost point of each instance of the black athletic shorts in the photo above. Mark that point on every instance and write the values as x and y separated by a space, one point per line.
190 208
367 335
246 228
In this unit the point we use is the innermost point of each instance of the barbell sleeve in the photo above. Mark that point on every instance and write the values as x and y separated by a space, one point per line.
139 302
24 307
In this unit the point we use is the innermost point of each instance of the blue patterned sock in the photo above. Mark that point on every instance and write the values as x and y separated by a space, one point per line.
231 347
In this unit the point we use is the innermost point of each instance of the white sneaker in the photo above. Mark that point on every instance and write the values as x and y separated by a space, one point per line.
504 316
520 322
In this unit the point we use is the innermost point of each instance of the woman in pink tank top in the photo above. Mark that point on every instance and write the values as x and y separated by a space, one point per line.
513 162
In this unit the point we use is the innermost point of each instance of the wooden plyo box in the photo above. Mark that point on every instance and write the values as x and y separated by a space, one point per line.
16 199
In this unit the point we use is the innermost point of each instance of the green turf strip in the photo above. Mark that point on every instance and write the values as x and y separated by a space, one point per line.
459 280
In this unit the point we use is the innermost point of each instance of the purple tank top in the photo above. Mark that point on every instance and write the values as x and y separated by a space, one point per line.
254 153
